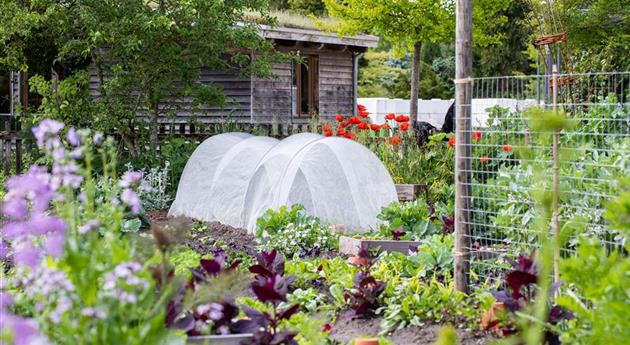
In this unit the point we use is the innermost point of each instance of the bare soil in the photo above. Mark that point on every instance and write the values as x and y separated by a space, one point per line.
347 329
221 235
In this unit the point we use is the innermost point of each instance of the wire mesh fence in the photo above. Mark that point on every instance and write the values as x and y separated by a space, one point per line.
511 161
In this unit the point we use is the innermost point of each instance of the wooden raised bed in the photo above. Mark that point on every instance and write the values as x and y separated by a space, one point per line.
410 192
351 246
228 339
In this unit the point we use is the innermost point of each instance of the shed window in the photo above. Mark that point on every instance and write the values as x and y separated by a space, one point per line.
305 98
5 92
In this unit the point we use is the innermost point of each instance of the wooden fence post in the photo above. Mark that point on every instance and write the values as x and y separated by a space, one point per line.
463 126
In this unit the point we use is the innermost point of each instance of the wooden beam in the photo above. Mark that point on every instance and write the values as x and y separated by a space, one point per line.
463 127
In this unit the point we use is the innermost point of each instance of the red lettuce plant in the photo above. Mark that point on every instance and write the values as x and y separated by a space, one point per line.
521 293
271 287
212 318
363 297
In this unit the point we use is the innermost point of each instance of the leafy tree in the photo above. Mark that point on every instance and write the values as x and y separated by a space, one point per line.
407 24
510 56
599 33
146 55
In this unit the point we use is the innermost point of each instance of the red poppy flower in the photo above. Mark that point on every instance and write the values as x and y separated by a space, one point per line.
354 120
507 147
344 124
339 117
451 142
375 127
350 135
390 116
363 126
361 108
364 114
484 159
395 140
477 135
328 133
402 118
341 132
404 126
385 126
326 127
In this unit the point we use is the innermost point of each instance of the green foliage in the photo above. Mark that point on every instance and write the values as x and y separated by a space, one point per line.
599 32
596 161
598 295
144 54
83 304
431 165
415 219
382 75
292 232
509 56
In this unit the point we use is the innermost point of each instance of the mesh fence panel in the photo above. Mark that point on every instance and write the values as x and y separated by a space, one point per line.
511 160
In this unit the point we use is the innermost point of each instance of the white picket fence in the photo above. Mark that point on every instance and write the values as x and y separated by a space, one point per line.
434 110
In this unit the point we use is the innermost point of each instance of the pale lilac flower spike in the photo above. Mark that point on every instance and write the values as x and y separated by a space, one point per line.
46 133
89 226
73 137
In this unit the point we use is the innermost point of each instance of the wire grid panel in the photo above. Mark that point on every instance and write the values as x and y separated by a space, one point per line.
512 161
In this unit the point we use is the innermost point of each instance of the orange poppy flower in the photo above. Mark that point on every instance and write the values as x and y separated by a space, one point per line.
339 117
477 135
385 126
451 142
395 140
507 147
404 126
326 127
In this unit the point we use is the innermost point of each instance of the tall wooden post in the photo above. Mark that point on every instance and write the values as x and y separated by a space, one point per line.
556 178
463 123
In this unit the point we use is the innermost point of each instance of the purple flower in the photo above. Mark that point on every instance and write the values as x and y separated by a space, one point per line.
26 254
65 175
15 208
131 179
76 153
42 224
46 134
89 226
5 301
130 198
33 186
55 243
4 249
98 138
73 137
24 331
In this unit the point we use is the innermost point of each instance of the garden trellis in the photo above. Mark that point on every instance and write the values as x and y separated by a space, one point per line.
509 161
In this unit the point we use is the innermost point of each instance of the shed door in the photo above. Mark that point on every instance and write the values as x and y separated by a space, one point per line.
306 86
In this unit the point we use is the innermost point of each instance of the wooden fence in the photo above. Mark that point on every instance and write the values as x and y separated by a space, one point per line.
17 147
13 146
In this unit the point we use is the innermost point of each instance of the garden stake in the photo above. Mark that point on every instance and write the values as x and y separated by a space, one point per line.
556 180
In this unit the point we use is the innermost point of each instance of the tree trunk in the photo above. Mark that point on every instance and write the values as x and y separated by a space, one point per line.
415 84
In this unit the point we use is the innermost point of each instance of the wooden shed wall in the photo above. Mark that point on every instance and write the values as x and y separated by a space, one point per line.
237 91
272 98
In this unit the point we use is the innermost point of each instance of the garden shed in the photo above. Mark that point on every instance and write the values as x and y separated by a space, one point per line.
324 84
